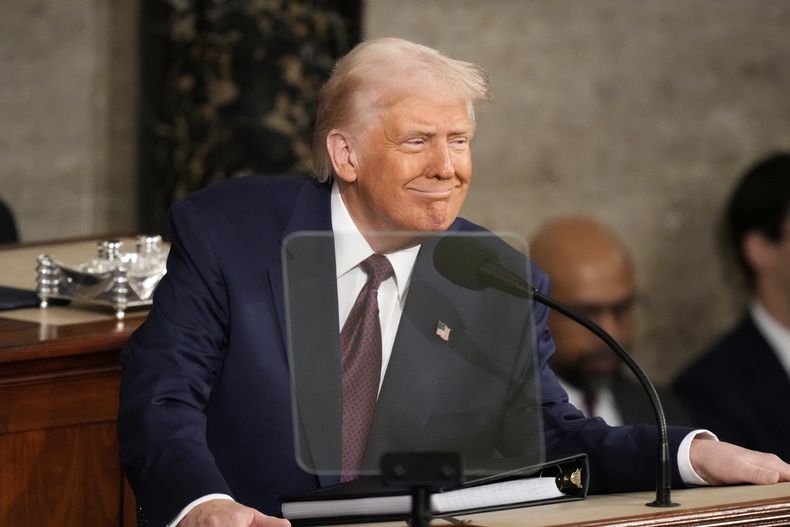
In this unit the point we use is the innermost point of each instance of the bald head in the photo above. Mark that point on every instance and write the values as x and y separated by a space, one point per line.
583 258
591 270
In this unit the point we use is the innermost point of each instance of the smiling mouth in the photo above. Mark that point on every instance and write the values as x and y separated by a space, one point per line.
436 193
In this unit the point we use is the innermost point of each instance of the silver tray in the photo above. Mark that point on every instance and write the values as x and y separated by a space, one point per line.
116 279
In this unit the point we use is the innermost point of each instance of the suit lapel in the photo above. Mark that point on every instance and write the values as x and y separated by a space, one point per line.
314 349
766 372
632 402
305 298
311 213
415 366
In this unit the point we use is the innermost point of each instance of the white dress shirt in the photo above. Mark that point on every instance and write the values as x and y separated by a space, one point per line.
351 249
777 335
605 406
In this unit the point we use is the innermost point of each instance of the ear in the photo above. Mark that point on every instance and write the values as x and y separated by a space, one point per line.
758 250
343 155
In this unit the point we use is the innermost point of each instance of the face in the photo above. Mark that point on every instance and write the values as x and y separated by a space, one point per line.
410 169
605 293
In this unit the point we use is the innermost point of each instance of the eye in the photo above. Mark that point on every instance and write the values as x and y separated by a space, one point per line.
459 142
418 141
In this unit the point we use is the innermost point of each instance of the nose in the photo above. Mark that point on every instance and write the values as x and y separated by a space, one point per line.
608 322
616 326
443 163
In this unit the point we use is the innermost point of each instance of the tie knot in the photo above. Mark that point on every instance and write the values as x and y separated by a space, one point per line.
378 269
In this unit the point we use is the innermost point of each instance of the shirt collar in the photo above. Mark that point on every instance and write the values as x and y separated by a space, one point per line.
777 335
351 248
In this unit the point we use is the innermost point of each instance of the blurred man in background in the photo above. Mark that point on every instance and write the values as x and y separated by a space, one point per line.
591 270
740 388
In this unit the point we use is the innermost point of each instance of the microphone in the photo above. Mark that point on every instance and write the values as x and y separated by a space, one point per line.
468 262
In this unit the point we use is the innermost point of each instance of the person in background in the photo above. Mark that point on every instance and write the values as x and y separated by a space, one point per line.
591 271
740 387
8 229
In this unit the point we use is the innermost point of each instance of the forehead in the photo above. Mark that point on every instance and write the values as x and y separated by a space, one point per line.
428 112
595 281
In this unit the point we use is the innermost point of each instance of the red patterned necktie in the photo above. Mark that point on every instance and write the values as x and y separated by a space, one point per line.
360 350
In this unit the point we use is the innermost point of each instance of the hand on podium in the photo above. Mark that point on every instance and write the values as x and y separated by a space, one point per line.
227 513
721 463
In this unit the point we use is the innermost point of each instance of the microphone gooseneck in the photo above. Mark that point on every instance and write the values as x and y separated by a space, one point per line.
471 264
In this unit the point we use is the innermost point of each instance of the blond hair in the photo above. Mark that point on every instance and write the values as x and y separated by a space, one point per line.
375 74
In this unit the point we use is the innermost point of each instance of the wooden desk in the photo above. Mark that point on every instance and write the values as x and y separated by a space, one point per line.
719 506
59 461
59 380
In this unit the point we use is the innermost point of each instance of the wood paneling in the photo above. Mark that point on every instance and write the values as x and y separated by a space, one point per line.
59 461
80 394
61 476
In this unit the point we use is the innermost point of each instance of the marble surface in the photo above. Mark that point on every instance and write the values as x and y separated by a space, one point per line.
18 269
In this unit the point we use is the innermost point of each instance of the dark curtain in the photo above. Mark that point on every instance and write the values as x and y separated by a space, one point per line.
229 88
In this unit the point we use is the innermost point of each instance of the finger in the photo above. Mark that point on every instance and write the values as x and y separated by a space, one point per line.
782 468
784 471
765 468
765 476
261 520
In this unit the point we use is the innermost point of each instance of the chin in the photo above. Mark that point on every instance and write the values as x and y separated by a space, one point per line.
436 226
439 218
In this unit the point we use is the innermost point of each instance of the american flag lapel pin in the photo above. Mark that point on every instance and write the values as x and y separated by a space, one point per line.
443 331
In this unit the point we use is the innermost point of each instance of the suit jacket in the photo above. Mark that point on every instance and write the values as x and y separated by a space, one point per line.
206 385
739 390
634 405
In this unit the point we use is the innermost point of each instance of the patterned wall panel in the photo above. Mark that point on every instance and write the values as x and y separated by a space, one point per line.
231 90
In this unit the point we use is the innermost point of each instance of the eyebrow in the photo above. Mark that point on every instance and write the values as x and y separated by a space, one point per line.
432 132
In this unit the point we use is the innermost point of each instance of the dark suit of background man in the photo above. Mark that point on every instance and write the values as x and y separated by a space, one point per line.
591 270
741 386
205 421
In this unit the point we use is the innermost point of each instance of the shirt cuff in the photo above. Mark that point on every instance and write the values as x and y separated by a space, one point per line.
686 470
188 508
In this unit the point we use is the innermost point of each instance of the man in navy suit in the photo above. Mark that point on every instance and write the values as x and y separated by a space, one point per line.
207 436
741 386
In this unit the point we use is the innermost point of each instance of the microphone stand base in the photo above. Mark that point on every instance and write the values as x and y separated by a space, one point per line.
657 503
663 496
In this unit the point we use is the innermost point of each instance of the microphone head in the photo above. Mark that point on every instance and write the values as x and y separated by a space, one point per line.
459 259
